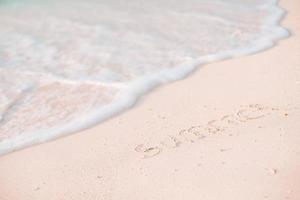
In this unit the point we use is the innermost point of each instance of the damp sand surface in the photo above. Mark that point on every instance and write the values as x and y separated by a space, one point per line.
254 153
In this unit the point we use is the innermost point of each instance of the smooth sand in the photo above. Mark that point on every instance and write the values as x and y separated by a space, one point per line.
157 151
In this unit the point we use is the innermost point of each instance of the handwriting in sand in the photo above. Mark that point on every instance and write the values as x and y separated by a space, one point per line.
195 133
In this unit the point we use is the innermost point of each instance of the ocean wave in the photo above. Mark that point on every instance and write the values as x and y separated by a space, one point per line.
67 65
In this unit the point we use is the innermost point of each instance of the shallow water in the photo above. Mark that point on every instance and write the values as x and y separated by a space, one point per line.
66 65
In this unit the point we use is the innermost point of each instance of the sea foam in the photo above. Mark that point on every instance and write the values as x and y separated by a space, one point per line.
67 65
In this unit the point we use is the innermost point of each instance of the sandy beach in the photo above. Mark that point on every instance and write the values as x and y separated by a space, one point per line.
229 131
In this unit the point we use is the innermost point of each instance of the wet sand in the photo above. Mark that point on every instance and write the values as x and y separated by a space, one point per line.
229 131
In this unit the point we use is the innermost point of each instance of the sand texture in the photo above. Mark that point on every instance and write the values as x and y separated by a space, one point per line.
230 131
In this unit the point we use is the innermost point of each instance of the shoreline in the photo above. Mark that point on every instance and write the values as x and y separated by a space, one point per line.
136 90
243 159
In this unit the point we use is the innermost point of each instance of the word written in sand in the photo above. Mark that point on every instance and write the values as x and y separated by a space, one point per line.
195 133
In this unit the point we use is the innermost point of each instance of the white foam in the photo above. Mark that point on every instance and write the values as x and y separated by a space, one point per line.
87 62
